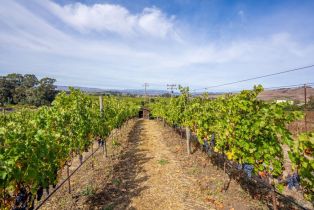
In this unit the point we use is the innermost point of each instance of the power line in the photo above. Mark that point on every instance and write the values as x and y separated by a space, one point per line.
254 78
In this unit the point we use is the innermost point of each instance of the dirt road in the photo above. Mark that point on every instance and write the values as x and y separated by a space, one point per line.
164 184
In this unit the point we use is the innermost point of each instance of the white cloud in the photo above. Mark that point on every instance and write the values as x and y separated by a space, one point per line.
153 21
114 18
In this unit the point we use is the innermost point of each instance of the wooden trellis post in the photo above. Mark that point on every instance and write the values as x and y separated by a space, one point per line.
105 147
101 105
305 106
69 179
93 155
188 140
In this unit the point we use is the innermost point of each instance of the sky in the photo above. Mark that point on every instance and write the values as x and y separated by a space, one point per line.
122 44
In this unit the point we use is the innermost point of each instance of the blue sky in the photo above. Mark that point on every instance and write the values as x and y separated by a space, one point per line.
123 43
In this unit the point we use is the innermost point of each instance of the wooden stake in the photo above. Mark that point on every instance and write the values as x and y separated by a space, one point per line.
101 105
188 140
105 147
305 104
69 180
93 155
81 159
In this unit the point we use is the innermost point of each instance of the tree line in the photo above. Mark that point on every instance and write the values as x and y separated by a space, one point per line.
26 89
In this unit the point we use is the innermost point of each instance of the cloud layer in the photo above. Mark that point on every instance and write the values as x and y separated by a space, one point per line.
114 18
108 46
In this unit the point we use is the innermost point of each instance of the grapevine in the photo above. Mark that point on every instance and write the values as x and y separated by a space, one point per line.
246 130
36 145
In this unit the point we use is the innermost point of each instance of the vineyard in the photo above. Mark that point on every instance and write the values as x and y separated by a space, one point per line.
37 144
247 132
238 132
156 105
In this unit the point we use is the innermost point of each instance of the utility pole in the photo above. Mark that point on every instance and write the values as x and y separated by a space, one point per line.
305 108
171 87
146 86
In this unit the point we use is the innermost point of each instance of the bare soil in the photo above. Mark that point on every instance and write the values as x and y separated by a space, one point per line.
147 168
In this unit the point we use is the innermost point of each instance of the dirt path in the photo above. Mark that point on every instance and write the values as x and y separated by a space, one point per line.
165 186
149 169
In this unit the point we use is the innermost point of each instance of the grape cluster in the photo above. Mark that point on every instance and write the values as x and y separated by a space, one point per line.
208 147
101 142
248 169
205 146
81 158
40 192
21 200
212 141
293 181
21 197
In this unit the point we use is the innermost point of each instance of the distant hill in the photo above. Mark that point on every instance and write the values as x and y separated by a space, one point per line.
116 91
84 89
142 92
267 95
295 94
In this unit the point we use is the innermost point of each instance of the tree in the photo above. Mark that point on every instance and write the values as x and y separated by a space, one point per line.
29 81
5 90
19 89
19 95
166 95
47 90
15 79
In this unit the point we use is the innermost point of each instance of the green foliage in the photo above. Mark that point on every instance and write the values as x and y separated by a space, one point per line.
88 190
163 162
301 155
35 145
247 130
116 182
26 89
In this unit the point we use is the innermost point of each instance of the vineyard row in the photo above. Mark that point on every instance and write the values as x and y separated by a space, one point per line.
36 144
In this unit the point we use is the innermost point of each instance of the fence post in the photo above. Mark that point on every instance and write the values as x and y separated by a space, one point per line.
101 109
188 140
101 105
69 179
81 159
305 104
105 147
93 155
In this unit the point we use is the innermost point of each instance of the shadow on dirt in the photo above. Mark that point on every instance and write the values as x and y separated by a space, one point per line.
123 184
